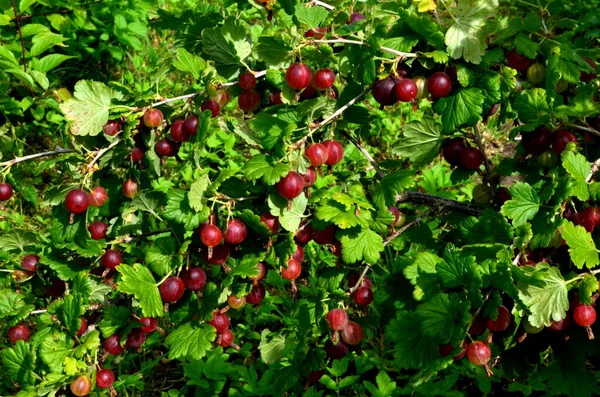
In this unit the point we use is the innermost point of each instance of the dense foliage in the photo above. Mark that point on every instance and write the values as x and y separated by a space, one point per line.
285 197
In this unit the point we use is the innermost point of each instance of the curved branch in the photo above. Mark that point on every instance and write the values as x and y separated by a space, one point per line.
428 199
58 150
101 153
358 42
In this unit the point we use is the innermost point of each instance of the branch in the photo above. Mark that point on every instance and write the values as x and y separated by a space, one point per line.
409 225
360 279
582 128
427 199
486 160
593 170
366 154
101 153
12 162
18 22
358 42
320 3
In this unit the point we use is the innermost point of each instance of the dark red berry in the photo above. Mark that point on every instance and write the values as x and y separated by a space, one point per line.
471 158
291 186
270 221
452 150
56 289
324 236
275 98
112 345
6 191
447 349
363 296
593 214
538 141
247 81
220 254
317 33
211 236
477 326
220 321
558 326
105 378
560 139
177 132
153 118
19 332
82 328
225 338
323 79
212 105
588 76
172 289
256 295
293 271
298 76
165 147
310 177
479 353
236 232
335 152
584 315
98 230
112 127
190 126
337 319
517 61
308 93
501 322
98 196
406 90
366 281
111 259
439 85
317 154
249 101
502 195
304 234
29 262
383 91
136 338
130 188
336 352
149 324
298 256
137 154
262 272
352 334
194 278
77 201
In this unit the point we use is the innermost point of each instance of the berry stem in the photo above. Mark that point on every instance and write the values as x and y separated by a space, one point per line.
593 170
360 279
14 161
100 153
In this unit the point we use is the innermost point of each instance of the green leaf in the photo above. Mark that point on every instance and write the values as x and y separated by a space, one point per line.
54 349
266 169
271 347
421 140
466 37
160 255
222 51
532 106
270 130
587 288
462 108
19 363
189 63
190 341
114 318
178 209
412 348
71 312
344 217
363 246
391 185
10 303
146 202
576 165
49 62
89 108
385 385
310 16
272 50
445 317
196 193
548 302
523 205
16 239
138 280
582 248
525 46
288 218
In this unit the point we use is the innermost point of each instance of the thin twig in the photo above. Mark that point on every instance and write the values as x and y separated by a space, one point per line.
409 225
101 153
256 74
360 279
427 199
593 170
486 160
18 22
368 156
58 150
39 311
582 128
358 42
128 239
324 5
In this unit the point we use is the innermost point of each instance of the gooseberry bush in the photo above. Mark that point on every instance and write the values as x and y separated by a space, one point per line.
289 197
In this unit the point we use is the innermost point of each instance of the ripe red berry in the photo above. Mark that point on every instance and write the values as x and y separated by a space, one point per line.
477 326
112 345
337 319
275 98
19 332
172 289
560 139
352 334
298 256
336 352
479 353
293 270
236 303
153 118
98 230
536 142
98 196
77 201
366 281
584 315
236 232
82 327
355 17
137 154
471 158
225 338
212 105
561 325
317 154
177 132
256 295
517 61
588 76
194 278
406 90
190 126
112 127
452 150
136 338
56 289
310 177
247 81
383 91
439 85
220 254
130 188
291 186
211 236
220 321
308 93
323 79
262 272
363 296
448 348
270 221
304 234
111 259
502 195
6 191
81 386
105 378
501 322
324 236
298 76
164 147
317 33
29 262
222 98
149 324
396 213
249 101
592 214
335 152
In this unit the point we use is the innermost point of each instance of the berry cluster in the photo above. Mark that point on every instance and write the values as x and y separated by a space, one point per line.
458 154
401 87
351 332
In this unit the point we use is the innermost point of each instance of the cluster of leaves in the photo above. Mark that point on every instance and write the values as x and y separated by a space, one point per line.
433 280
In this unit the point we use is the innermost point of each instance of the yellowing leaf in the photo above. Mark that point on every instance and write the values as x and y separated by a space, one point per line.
425 5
